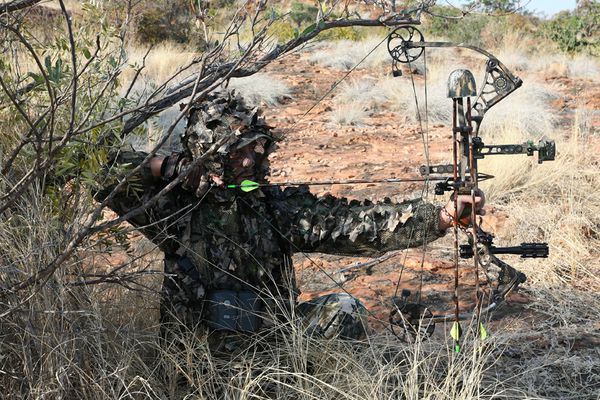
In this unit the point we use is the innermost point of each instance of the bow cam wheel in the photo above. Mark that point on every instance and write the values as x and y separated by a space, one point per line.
400 44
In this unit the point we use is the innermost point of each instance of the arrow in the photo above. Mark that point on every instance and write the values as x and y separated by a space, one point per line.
248 185
455 333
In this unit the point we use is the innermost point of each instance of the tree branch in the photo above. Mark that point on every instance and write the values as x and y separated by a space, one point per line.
16 5
184 89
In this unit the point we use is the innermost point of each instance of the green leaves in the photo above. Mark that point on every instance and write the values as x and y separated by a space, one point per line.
312 27
55 72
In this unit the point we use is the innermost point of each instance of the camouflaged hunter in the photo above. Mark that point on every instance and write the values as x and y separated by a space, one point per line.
228 253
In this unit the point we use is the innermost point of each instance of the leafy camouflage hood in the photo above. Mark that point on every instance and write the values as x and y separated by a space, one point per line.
224 114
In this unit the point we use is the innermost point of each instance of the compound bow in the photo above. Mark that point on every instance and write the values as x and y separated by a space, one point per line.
406 44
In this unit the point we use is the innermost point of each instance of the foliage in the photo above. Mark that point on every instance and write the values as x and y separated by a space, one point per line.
496 5
575 31
347 33
467 29
167 21
302 13
479 30
283 30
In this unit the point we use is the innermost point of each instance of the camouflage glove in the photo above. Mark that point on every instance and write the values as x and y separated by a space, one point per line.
195 180
171 166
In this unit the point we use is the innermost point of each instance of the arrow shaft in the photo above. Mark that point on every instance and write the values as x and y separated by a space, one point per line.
340 182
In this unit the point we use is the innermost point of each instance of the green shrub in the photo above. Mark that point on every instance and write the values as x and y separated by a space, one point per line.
168 21
348 33
467 29
575 31
283 30
303 13
487 31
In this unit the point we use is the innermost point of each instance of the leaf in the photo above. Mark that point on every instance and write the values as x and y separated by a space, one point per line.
48 63
309 29
56 73
39 79
86 53
312 27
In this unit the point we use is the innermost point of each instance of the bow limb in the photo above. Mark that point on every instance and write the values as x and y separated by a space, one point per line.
499 81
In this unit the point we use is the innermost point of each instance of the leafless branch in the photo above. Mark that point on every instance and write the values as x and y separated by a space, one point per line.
16 5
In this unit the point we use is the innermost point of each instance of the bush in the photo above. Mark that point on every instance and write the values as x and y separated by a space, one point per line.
168 21
303 14
467 29
349 33
283 30
488 31
575 31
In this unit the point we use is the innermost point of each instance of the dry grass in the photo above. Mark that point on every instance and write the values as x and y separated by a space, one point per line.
162 62
527 113
345 55
558 65
558 202
261 89
400 94
353 113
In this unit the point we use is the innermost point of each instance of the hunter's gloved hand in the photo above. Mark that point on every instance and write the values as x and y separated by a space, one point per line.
464 207
194 177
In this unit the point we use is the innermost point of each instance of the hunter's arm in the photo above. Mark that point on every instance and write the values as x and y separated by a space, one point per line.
337 226
154 222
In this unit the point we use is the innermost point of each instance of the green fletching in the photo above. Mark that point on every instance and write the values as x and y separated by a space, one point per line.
456 331
482 332
248 186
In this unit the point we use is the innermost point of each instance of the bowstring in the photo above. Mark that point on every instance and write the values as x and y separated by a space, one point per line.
337 83
424 132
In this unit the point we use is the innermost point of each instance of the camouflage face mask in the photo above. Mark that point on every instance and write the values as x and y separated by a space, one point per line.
225 115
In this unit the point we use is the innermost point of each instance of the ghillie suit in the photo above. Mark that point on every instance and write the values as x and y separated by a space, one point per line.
228 263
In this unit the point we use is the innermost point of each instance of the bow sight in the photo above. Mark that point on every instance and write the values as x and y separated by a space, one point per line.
545 148
405 45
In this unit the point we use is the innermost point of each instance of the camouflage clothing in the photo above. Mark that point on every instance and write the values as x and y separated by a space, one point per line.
335 314
225 247
231 240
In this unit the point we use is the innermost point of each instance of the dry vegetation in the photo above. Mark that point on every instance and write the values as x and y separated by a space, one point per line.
72 338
